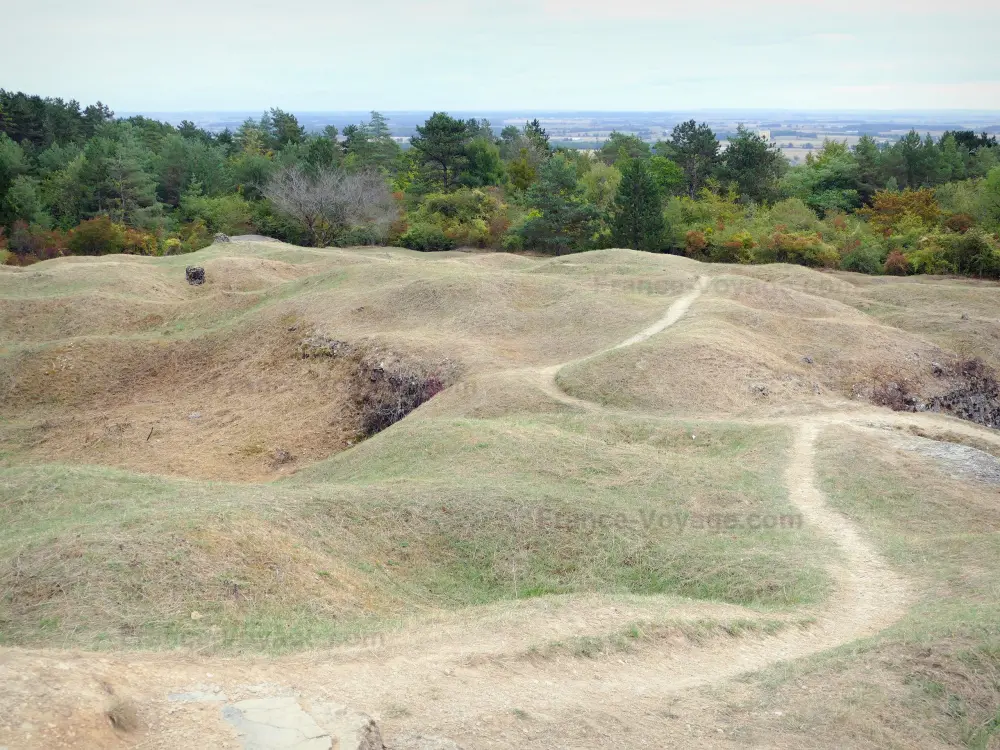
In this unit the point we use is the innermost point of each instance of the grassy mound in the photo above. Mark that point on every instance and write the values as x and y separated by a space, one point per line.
491 492
434 513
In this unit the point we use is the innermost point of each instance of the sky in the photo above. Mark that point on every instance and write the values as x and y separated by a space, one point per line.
392 55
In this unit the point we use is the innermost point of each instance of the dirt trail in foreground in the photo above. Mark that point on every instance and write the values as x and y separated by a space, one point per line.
468 680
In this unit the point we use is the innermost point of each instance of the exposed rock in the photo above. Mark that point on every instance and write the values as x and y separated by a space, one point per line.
323 346
220 237
963 461
280 723
385 386
807 360
276 724
281 456
350 730
974 394
195 275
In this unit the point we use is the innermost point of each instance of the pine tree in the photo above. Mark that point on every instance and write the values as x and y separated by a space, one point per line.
440 143
695 148
637 213
563 219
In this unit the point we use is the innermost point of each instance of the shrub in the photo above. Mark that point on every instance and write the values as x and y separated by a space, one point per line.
974 252
889 208
172 246
960 223
361 236
473 217
512 242
737 249
795 214
30 243
230 214
802 249
865 259
426 237
140 243
695 244
896 264
195 236
98 236
930 257
958 197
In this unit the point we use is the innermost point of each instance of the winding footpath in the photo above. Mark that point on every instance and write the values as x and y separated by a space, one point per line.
867 596
460 676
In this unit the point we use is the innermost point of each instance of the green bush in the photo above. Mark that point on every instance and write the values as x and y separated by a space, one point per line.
360 236
230 214
98 236
975 253
470 217
930 257
799 248
794 214
865 259
427 237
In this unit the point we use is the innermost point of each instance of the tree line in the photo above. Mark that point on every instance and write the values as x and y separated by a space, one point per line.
78 180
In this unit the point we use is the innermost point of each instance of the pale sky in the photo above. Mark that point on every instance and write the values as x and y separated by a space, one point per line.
312 55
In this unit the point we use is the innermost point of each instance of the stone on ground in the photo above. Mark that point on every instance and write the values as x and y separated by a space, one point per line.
280 723
276 724
195 275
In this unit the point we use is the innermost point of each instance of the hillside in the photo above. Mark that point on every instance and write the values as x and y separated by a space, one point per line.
650 500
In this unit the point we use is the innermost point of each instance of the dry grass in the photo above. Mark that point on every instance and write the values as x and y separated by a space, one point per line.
433 514
755 348
99 353
937 672
491 491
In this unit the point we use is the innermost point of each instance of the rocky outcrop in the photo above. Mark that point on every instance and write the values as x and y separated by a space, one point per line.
976 396
195 275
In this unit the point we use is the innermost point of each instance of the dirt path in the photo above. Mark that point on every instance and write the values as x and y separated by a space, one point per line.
676 311
466 678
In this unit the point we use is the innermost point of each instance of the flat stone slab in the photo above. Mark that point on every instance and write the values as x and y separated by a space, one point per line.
276 724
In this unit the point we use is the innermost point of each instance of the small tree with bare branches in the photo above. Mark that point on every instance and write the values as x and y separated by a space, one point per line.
329 201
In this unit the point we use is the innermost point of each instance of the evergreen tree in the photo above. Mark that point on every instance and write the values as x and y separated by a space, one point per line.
622 147
696 149
563 220
370 144
94 117
440 143
753 166
483 164
870 179
535 133
284 128
637 213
